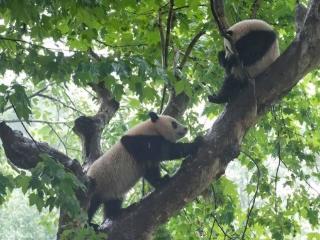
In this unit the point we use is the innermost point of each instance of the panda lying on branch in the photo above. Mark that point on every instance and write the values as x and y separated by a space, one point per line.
257 45
138 154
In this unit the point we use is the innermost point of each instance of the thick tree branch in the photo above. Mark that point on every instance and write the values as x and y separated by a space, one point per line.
224 138
24 152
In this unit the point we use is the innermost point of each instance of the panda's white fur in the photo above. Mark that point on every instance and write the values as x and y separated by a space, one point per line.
116 171
241 29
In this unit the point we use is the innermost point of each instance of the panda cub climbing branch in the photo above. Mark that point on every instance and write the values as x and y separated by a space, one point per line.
138 154
257 45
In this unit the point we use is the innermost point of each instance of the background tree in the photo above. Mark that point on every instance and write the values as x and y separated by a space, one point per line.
79 66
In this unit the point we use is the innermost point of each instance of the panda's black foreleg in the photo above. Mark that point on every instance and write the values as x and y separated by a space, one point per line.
227 62
112 208
153 176
171 151
156 148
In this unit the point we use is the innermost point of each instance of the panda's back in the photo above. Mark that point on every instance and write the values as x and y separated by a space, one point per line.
115 173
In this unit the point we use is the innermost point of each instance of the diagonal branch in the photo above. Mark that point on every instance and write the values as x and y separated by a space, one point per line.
168 31
190 47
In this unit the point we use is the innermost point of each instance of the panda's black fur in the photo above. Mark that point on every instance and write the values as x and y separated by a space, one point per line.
257 45
138 154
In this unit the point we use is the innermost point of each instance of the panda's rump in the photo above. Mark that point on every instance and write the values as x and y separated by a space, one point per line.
115 173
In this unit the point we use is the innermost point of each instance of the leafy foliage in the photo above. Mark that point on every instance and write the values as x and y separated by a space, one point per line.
51 52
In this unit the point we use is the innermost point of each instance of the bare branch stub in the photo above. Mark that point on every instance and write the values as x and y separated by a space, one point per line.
89 128
24 152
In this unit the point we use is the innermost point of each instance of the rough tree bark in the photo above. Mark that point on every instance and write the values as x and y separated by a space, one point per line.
221 145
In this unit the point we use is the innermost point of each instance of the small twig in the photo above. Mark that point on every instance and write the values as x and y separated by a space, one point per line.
121 46
164 90
168 31
58 136
221 228
62 103
93 54
187 6
276 177
254 196
278 145
143 188
14 167
25 128
33 121
255 8
37 45
161 36
32 95
71 101
211 229
215 218
215 207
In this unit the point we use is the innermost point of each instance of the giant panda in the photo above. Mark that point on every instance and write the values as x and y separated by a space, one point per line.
137 154
257 45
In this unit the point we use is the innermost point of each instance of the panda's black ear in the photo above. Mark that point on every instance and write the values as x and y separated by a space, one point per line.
153 116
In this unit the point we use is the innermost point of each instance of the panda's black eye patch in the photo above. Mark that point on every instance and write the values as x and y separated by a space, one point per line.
174 124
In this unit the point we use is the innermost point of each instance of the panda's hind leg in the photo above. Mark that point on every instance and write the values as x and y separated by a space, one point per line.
94 204
112 208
